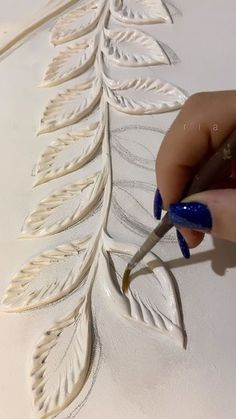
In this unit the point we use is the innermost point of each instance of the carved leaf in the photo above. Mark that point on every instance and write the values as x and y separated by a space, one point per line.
151 299
132 48
61 361
143 96
49 276
78 22
80 197
71 62
88 140
71 106
140 11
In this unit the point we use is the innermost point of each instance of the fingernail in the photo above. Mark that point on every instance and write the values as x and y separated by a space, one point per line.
183 245
191 215
157 205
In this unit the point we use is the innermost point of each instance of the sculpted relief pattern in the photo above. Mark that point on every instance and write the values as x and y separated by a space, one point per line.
97 34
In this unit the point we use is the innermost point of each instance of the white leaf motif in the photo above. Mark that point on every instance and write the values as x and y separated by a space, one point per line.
71 62
82 197
61 362
78 22
132 48
49 276
140 11
151 299
71 106
143 96
90 139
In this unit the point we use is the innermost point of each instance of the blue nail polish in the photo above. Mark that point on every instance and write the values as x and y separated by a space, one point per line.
183 245
157 205
191 215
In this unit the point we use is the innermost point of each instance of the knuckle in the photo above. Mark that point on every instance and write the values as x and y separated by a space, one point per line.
196 107
196 100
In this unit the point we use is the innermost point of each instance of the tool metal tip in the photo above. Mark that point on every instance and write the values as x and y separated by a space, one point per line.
126 281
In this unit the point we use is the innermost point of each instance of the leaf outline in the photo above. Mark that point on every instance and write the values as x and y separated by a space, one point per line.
54 74
34 222
174 97
71 384
155 12
113 47
45 170
61 31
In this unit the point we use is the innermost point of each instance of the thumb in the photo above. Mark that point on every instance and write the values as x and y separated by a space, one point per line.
211 212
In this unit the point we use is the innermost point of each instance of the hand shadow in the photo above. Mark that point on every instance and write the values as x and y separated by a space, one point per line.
222 257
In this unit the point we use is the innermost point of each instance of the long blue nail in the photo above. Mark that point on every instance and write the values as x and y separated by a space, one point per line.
183 245
191 215
157 205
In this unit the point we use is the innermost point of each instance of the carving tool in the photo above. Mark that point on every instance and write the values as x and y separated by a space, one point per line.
201 181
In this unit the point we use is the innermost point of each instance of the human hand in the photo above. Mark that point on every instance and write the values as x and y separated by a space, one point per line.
203 124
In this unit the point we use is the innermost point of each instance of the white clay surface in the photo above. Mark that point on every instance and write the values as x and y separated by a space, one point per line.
141 369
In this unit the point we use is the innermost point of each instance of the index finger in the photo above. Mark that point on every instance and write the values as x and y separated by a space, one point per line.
202 125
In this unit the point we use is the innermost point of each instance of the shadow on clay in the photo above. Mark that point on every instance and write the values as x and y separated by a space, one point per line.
173 10
222 257
172 56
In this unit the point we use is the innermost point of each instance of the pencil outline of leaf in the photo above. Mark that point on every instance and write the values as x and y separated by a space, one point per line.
54 74
55 291
153 317
152 54
130 221
134 107
52 120
150 16
34 222
61 32
144 163
45 171
79 351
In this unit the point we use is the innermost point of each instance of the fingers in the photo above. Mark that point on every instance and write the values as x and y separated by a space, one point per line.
186 238
204 122
211 211
192 237
202 125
